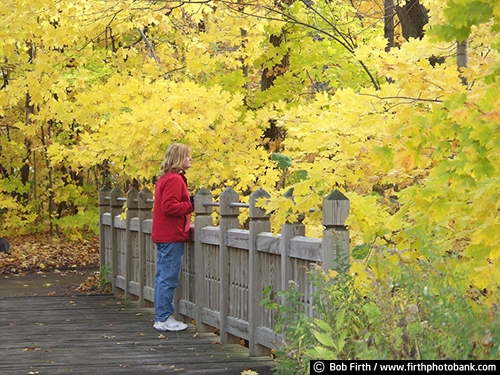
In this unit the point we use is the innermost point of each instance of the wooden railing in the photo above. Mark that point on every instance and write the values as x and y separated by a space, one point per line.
225 269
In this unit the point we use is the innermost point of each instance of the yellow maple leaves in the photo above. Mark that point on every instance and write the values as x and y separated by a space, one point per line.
354 116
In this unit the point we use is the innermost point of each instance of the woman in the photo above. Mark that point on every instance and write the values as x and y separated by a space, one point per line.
171 228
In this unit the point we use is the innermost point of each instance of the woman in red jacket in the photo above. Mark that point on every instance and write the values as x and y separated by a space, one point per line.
171 228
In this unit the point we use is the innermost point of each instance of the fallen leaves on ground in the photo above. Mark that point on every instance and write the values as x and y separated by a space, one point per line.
44 253
94 285
41 252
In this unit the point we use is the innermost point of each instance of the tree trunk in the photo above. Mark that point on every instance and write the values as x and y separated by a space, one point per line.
29 111
413 16
269 75
274 134
389 23
463 58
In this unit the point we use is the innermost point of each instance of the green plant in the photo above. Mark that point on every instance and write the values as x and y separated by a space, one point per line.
98 282
340 315
425 314
296 329
412 310
104 284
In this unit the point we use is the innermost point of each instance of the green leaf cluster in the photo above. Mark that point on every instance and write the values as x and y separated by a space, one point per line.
404 316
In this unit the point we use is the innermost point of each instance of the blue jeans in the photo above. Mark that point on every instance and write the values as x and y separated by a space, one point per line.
168 271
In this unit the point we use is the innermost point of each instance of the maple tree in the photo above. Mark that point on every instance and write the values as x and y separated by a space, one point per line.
93 92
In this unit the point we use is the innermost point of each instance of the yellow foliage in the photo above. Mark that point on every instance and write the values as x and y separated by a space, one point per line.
413 148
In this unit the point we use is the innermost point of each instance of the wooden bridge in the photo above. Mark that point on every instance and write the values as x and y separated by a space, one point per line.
219 295
104 334
225 268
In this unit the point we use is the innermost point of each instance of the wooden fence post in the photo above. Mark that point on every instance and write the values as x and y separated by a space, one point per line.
145 206
259 222
335 247
288 231
116 208
229 220
132 211
103 208
202 219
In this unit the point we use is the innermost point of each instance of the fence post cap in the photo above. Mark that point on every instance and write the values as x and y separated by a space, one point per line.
227 196
200 197
336 208
103 193
203 192
145 191
257 212
132 198
336 195
144 197
116 191
289 194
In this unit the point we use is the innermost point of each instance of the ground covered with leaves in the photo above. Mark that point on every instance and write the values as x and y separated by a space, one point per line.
40 253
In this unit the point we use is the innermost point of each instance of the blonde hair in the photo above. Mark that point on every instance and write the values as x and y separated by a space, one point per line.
174 158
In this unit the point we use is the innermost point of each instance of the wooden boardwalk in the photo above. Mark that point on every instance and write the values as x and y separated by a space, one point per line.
76 334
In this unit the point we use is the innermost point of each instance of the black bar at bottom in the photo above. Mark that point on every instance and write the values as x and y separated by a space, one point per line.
317 367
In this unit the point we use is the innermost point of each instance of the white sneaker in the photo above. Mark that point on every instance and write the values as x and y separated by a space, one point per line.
170 325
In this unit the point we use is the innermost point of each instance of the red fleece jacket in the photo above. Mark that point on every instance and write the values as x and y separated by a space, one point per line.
171 209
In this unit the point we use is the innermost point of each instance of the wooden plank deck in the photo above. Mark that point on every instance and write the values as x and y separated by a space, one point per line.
76 334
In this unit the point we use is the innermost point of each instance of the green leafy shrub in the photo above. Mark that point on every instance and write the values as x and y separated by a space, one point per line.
414 312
